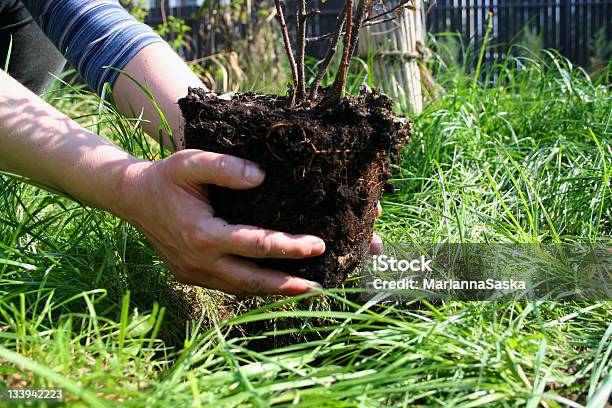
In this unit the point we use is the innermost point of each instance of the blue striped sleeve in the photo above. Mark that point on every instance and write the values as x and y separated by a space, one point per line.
92 35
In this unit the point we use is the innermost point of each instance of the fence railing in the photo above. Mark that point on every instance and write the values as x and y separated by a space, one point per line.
325 21
569 26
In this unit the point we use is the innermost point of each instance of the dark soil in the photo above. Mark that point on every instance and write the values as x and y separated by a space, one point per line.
325 170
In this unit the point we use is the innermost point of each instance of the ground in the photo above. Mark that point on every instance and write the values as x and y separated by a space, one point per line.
86 305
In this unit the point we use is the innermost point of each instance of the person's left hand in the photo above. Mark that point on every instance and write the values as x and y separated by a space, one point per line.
376 247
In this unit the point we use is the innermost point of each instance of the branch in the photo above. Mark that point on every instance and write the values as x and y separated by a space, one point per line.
403 4
313 12
301 18
287 42
327 36
360 18
335 93
162 6
384 20
331 51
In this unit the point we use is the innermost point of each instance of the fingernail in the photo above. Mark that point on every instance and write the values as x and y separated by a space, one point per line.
376 248
314 286
253 174
317 246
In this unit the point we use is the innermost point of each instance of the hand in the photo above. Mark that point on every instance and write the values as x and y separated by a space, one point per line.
376 247
167 202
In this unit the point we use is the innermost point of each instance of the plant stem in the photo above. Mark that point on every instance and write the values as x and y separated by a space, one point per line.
404 3
335 93
162 7
360 18
331 51
301 19
280 15
367 23
483 50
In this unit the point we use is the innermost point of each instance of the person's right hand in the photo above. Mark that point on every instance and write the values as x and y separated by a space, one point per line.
167 202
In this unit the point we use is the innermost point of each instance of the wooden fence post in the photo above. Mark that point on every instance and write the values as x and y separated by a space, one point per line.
396 50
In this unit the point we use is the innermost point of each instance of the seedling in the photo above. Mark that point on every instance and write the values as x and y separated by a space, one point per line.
326 161
355 15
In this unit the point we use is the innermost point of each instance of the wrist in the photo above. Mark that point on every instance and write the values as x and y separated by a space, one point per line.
130 192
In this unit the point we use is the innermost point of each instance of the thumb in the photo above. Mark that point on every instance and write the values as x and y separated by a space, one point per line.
196 167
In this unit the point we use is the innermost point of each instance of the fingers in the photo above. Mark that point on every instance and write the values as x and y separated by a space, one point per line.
376 247
195 167
247 278
239 277
256 242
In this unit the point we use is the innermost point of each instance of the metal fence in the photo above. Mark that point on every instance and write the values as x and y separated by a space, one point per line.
324 22
569 26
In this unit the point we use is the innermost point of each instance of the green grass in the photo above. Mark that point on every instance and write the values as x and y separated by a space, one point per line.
86 305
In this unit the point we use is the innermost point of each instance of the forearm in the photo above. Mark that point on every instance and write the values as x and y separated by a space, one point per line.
98 34
159 68
41 143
